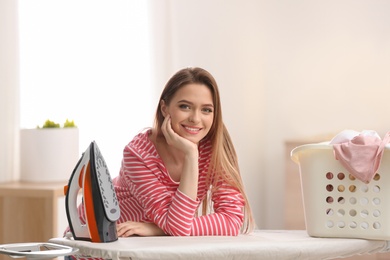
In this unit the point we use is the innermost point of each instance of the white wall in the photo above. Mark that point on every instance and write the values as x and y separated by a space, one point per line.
286 69
9 90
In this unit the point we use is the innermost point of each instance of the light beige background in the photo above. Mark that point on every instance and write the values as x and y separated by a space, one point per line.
286 70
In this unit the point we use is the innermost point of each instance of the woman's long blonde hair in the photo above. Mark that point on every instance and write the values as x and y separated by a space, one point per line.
224 162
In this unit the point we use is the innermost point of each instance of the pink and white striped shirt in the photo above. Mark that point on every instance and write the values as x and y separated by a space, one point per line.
146 193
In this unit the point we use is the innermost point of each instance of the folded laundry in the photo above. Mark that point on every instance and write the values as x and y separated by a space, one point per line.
347 135
360 152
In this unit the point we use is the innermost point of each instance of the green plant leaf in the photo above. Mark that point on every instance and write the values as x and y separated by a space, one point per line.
69 123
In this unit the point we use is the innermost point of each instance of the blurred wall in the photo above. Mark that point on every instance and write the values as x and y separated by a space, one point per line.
286 70
9 91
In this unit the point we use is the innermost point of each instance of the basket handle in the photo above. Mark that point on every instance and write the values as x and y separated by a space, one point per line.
385 141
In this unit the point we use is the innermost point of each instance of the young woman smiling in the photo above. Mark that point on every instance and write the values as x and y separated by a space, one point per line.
186 160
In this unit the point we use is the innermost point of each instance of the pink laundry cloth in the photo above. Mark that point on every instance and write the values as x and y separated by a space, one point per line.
360 153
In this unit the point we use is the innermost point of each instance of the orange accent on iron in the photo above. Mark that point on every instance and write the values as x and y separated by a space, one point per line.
89 206
66 190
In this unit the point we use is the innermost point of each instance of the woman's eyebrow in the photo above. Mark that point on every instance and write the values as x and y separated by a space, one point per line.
184 101
189 102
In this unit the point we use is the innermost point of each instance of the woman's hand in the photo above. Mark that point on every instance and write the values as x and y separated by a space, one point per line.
176 140
130 228
189 173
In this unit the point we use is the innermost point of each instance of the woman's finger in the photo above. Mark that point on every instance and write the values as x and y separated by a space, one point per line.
167 129
164 126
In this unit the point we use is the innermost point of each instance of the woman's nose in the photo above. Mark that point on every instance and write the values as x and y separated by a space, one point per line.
194 117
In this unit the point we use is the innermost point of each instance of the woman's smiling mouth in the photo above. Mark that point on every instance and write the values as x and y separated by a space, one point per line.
192 130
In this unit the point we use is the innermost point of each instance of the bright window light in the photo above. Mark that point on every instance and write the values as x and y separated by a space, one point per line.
87 61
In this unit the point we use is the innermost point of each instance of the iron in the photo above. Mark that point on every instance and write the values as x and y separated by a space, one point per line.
99 201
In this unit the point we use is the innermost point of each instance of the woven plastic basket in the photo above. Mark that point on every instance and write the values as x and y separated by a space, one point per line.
338 205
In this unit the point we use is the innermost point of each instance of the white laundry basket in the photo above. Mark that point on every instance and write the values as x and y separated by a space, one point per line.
338 205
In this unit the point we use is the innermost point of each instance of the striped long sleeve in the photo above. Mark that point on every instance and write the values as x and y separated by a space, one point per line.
146 193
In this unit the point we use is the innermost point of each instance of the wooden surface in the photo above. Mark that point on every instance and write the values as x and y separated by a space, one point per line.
28 212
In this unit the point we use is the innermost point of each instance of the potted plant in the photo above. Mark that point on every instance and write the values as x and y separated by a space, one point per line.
49 153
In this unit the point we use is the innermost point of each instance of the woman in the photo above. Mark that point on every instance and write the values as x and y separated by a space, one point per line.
185 160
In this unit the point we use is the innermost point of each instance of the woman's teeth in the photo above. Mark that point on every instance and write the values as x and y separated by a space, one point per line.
192 129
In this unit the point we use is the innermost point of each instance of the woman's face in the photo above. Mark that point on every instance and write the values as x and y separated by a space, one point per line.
192 111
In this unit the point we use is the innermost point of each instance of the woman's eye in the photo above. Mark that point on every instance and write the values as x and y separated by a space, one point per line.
207 110
183 106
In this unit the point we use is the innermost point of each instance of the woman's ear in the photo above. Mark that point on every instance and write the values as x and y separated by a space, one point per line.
163 108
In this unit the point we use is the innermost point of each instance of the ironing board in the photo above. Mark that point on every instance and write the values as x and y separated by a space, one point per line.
261 244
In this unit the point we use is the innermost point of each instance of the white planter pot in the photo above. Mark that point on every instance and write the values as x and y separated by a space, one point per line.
49 154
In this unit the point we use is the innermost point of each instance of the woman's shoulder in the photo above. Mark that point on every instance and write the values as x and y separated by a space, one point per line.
141 145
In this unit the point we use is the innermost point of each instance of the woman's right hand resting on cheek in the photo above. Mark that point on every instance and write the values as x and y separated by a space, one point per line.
176 140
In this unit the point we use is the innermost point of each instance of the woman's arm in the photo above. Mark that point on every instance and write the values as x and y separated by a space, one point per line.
189 175
174 212
227 218
170 210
